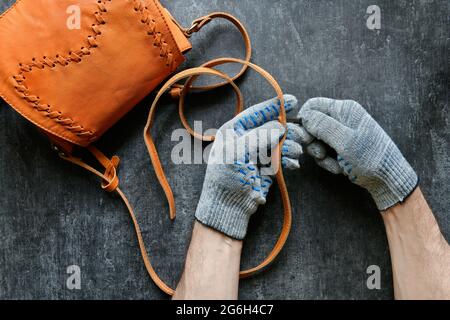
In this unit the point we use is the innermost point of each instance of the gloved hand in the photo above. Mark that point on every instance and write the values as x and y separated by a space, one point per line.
365 153
237 179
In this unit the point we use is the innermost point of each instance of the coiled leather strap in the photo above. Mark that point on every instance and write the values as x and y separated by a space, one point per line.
192 74
110 181
197 25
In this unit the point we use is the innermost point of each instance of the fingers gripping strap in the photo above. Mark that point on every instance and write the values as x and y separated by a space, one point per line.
197 25
192 74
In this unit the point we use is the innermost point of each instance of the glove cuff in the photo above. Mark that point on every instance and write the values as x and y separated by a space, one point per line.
399 180
225 211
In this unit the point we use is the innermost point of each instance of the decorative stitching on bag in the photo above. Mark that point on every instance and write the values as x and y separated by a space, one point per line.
76 57
158 40
47 62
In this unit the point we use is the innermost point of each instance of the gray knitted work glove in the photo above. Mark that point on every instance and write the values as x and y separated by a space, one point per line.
365 153
238 177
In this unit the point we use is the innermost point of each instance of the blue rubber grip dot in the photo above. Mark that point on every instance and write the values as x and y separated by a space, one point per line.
243 124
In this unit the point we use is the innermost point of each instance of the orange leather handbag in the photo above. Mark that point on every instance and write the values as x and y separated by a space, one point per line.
75 79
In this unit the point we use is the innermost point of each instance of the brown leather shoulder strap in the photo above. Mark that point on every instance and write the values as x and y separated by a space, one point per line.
148 139
111 182
191 74
196 26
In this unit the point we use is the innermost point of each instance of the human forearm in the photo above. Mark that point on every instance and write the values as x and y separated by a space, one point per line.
212 267
420 255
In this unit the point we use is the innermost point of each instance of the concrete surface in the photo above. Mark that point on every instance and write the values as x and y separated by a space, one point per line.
53 215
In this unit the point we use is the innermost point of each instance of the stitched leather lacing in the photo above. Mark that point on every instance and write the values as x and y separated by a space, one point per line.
51 62
158 41
76 56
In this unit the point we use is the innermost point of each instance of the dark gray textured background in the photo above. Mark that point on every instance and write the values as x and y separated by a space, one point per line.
53 215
